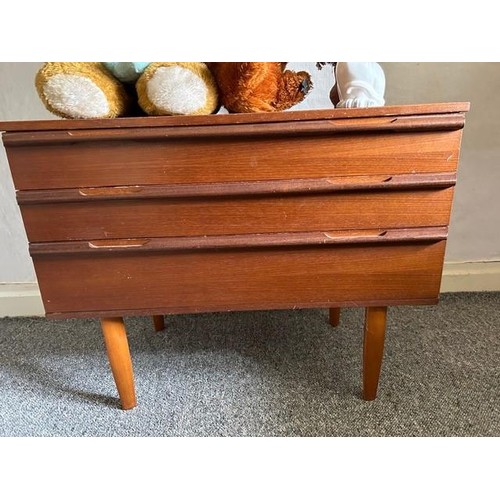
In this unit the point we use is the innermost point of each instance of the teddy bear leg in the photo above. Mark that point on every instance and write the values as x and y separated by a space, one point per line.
81 90
360 84
177 88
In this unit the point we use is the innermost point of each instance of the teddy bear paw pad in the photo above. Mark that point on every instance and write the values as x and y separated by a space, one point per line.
76 96
177 90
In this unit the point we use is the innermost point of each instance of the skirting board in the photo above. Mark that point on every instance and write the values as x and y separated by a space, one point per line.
471 277
20 299
23 299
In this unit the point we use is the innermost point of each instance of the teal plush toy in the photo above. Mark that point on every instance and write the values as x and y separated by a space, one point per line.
127 72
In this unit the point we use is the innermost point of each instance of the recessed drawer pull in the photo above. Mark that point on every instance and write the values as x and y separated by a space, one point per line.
329 127
101 244
368 235
369 180
387 182
110 191
233 241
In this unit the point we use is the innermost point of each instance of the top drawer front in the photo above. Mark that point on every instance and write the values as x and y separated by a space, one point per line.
160 161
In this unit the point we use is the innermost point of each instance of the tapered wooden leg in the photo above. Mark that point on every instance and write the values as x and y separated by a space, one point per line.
335 316
115 338
159 323
373 350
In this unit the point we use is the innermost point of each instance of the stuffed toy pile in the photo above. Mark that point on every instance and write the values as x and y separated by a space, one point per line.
110 90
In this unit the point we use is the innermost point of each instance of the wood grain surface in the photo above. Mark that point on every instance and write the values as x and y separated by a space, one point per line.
115 338
251 131
231 159
238 279
239 118
289 186
373 349
240 215
232 241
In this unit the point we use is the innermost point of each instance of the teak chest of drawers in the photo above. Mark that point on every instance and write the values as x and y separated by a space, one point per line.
324 208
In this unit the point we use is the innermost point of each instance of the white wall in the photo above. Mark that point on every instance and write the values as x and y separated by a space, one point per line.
475 222
18 101
474 230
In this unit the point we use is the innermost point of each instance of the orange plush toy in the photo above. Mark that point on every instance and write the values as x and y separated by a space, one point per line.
248 87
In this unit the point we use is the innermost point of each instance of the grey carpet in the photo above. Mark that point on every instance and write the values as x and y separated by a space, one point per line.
275 373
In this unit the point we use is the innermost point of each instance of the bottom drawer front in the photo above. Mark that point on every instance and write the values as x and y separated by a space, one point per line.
240 279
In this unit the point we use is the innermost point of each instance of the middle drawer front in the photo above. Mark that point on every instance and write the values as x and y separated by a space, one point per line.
94 218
